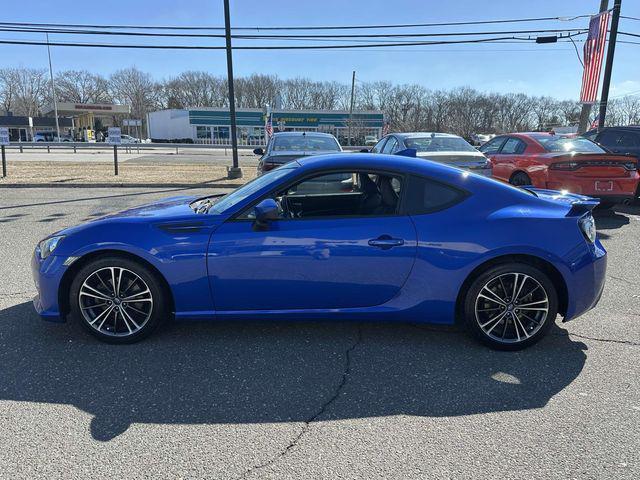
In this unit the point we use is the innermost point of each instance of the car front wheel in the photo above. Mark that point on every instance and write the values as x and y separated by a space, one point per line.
511 306
117 300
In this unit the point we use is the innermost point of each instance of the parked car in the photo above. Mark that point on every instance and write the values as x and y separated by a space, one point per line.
624 140
439 147
283 147
50 137
370 140
562 162
411 240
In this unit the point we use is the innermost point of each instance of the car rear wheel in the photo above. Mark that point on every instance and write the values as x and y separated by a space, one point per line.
520 179
511 306
117 300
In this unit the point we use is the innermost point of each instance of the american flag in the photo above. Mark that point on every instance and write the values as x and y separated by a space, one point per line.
268 126
595 123
593 55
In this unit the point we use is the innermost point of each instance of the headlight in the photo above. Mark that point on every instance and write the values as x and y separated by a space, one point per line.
588 227
48 245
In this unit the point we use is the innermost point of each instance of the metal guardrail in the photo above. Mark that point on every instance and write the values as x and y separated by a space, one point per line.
130 147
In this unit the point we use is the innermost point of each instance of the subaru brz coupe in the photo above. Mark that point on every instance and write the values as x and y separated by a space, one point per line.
335 237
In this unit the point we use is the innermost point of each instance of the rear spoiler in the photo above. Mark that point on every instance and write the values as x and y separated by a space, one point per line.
580 207
579 204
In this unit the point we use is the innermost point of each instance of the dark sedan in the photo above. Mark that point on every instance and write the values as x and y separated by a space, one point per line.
283 147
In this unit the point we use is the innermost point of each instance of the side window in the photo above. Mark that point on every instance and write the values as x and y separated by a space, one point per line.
609 138
630 140
492 146
343 194
391 145
378 146
591 135
428 196
512 146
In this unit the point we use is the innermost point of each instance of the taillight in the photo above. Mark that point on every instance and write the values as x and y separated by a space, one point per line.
564 166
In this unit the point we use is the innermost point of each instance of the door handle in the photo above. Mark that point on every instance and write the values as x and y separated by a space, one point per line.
385 242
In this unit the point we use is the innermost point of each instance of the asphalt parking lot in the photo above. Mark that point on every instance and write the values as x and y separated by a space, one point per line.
310 400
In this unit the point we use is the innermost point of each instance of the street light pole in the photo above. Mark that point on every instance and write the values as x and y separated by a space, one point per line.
611 50
53 89
235 171
353 91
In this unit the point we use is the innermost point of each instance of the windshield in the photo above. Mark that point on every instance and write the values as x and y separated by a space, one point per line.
248 189
304 143
438 144
553 143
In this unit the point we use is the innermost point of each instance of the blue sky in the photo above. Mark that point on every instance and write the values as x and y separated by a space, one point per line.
534 69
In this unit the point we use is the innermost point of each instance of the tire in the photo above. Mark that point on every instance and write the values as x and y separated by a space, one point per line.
128 321
494 318
520 179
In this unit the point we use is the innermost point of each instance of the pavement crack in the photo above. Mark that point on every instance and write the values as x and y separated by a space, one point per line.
623 280
596 339
323 408
15 294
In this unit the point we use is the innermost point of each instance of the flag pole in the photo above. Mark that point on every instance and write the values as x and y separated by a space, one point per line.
611 50
586 107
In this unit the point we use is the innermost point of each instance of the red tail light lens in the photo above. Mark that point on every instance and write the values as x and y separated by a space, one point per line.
565 166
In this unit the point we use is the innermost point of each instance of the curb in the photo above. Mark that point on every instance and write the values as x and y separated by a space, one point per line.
121 185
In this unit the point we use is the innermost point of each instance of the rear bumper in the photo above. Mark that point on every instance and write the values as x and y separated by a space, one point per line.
587 280
616 189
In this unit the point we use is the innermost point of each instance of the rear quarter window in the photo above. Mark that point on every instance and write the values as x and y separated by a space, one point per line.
427 196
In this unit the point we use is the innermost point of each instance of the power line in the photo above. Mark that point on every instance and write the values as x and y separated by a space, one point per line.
287 37
307 27
263 47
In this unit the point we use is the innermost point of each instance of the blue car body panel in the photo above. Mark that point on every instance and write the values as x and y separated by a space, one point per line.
219 267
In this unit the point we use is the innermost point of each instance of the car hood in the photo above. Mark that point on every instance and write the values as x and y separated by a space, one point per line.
173 209
457 159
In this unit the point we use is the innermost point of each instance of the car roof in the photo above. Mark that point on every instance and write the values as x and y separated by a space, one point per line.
424 134
300 134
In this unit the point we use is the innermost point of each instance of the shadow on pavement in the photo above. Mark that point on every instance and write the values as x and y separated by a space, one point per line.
277 372
609 219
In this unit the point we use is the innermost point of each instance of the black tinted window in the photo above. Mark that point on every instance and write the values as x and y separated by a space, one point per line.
630 140
426 196
609 138
492 146
512 146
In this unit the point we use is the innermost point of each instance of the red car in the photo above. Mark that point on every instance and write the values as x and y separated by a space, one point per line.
561 162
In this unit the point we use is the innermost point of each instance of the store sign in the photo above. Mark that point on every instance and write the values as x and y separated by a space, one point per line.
4 136
129 122
115 136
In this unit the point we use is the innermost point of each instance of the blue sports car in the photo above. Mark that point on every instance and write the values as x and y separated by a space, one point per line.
334 237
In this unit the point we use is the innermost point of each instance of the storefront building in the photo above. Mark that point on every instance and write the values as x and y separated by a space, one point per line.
212 125
22 129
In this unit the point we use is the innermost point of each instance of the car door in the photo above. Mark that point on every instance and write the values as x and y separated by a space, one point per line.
629 143
491 150
508 159
330 257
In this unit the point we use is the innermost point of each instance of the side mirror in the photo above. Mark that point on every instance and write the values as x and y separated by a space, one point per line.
365 150
258 151
266 211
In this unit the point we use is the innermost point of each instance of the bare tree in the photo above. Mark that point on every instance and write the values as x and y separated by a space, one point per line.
133 87
81 86
195 89
28 92
8 86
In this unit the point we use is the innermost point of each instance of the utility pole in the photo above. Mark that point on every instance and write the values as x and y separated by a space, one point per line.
235 171
353 91
53 89
611 50
586 107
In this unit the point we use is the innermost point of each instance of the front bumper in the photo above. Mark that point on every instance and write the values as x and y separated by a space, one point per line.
47 276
